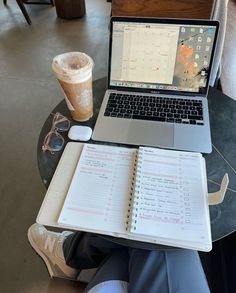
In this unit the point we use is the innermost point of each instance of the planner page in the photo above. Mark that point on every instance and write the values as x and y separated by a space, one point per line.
99 192
171 196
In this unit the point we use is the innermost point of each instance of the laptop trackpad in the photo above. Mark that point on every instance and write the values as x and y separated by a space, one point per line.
151 134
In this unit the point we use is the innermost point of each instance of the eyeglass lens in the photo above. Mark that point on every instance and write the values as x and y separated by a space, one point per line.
55 141
61 122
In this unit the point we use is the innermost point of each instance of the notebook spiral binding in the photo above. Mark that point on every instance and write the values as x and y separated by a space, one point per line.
133 202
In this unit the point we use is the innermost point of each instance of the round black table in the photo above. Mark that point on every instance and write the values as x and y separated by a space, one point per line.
222 159
47 162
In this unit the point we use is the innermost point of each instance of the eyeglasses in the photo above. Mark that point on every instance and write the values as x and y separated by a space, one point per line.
53 141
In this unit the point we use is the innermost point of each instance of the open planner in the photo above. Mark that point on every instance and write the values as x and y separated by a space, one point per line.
146 194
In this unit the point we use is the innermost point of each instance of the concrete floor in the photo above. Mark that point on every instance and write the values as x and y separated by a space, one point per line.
28 92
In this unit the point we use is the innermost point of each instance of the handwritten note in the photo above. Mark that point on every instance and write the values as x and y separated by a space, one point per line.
160 195
99 192
170 199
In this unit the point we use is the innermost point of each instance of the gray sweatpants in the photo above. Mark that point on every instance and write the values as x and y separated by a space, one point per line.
146 271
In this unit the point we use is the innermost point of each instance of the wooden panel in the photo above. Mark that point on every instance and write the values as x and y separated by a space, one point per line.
163 8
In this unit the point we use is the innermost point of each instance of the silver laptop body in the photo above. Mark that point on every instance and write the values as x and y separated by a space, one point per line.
158 79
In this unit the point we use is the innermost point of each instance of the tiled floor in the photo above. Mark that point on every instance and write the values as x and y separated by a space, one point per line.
28 92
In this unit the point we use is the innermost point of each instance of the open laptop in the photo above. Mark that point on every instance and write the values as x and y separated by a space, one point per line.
158 79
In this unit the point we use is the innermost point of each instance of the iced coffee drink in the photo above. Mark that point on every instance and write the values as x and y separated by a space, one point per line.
74 73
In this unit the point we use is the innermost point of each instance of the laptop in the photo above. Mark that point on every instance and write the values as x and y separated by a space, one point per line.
158 80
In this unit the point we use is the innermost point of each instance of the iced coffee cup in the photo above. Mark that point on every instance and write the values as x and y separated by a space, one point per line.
74 73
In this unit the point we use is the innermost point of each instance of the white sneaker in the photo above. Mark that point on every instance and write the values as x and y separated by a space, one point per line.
48 245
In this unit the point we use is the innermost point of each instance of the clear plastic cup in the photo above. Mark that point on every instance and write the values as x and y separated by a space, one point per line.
74 73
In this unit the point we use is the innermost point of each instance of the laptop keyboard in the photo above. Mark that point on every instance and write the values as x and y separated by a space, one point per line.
155 108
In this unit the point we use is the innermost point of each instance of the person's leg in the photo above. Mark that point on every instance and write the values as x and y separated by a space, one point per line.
112 274
166 271
149 271
85 250
66 253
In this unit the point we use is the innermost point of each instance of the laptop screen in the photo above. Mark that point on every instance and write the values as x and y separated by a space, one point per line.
161 55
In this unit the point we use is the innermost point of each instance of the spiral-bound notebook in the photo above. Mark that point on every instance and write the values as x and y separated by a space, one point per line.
147 194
